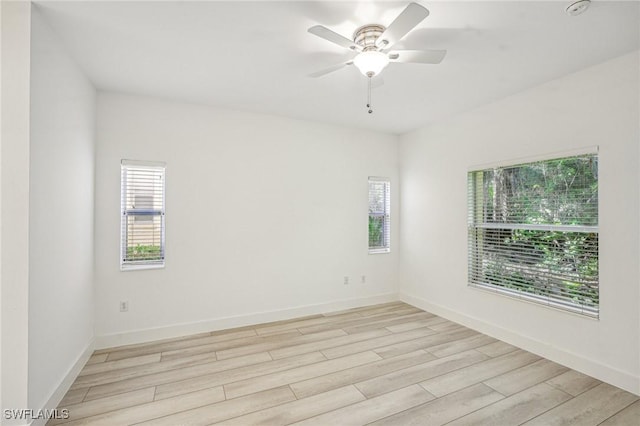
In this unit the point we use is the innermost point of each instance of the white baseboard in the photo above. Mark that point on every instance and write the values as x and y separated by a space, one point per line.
185 329
67 381
574 361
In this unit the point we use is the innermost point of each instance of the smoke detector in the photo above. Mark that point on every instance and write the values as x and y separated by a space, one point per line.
578 7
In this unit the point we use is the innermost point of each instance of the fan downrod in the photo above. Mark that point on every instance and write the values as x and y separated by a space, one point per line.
366 36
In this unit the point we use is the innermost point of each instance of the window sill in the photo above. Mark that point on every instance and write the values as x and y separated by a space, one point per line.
380 251
547 304
126 268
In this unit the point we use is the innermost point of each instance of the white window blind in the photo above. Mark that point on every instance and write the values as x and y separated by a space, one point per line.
379 215
142 220
533 232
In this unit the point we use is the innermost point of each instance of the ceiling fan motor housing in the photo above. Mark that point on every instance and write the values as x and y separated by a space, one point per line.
366 36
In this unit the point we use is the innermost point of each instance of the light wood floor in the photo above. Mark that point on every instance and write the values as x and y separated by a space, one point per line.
385 364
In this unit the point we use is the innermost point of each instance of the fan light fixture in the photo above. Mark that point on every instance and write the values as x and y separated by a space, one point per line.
371 62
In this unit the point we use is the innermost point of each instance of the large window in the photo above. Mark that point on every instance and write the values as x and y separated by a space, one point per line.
142 215
533 232
379 215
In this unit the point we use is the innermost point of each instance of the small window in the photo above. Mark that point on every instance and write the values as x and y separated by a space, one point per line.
142 220
533 232
379 215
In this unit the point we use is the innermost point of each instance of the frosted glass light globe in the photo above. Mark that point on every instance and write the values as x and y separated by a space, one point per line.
371 63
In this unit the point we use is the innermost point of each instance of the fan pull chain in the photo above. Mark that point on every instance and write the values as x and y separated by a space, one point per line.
369 105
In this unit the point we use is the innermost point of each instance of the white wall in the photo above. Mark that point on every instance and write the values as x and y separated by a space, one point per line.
1 119
14 168
596 106
61 215
264 217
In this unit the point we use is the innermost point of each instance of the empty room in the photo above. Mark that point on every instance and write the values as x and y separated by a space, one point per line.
320 212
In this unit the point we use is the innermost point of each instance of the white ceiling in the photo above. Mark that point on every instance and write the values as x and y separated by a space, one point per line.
255 56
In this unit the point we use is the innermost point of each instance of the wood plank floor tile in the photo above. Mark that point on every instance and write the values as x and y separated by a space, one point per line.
193 350
430 338
384 307
573 382
153 343
378 342
288 321
496 349
271 345
228 409
416 374
73 397
103 367
371 309
445 409
361 320
223 341
450 348
228 344
517 408
358 374
376 309
397 310
326 343
478 372
294 375
104 405
233 334
373 325
412 325
222 331
446 326
301 409
629 416
153 410
107 377
294 324
236 374
589 408
97 357
372 409
163 377
521 378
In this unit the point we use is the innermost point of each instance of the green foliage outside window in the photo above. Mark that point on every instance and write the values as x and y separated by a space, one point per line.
376 231
143 252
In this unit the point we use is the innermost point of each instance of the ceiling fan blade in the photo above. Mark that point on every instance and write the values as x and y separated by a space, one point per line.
331 69
418 56
332 36
411 16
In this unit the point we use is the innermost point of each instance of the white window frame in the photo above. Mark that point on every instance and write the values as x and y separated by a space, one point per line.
476 245
157 210
385 214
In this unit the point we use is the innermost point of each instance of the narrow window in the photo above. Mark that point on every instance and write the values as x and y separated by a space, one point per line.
379 215
142 215
533 232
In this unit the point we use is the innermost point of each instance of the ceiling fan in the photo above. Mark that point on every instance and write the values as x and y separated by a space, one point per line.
374 43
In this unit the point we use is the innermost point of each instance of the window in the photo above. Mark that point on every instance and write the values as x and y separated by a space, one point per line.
142 221
533 232
379 215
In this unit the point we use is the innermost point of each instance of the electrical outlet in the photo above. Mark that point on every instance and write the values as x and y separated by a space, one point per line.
346 280
124 306
363 279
